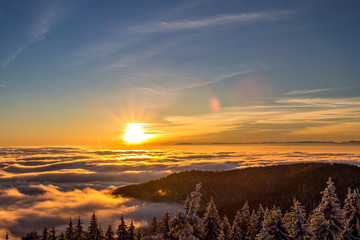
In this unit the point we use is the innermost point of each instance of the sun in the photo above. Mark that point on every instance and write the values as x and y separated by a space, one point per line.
135 133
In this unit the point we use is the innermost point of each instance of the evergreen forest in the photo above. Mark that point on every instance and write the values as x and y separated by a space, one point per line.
331 219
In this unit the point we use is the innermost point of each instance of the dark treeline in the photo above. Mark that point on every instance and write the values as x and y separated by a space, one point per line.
268 186
327 221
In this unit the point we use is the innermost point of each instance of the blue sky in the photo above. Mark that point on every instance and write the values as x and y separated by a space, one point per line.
75 72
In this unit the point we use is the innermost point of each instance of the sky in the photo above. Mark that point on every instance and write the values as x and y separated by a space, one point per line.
77 72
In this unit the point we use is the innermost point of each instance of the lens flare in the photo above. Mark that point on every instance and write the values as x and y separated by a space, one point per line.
215 104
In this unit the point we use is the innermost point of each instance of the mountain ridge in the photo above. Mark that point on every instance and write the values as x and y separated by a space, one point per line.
269 185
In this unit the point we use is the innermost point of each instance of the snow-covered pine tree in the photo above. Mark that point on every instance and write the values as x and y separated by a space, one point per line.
212 225
196 224
327 220
61 236
158 237
256 222
352 214
139 234
177 223
131 231
264 233
44 233
188 225
195 200
273 226
109 235
251 233
53 233
122 233
280 230
296 224
187 204
164 225
236 230
154 226
244 220
226 228
221 236
69 231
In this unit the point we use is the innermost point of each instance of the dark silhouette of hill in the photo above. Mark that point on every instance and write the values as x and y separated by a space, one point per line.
270 185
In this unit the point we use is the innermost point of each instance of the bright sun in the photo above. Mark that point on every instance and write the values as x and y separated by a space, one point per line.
135 133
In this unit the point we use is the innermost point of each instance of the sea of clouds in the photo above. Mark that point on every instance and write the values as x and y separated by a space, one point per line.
48 185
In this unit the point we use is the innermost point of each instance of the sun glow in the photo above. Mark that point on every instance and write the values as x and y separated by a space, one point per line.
135 133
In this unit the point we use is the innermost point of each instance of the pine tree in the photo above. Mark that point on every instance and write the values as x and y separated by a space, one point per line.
79 233
244 221
152 238
100 233
93 231
196 224
273 226
31 236
139 234
236 230
256 222
195 200
212 225
164 225
154 226
177 224
109 235
187 204
122 233
187 224
252 225
296 224
53 233
131 231
221 236
226 228
7 236
69 232
61 236
327 220
45 233
352 214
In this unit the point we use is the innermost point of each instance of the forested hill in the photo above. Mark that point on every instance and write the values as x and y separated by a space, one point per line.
258 185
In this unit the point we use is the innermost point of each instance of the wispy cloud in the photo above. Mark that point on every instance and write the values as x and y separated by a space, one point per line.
210 21
13 56
94 51
347 129
39 29
309 91
328 102
3 85
301 114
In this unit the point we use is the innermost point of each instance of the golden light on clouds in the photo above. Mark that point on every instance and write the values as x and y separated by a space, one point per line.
136 133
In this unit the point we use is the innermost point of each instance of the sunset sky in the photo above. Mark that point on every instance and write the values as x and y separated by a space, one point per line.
78 72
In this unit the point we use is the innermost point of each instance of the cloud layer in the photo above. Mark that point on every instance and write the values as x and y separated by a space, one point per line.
35 180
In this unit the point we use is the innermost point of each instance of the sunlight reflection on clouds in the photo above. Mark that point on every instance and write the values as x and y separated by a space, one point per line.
34 181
